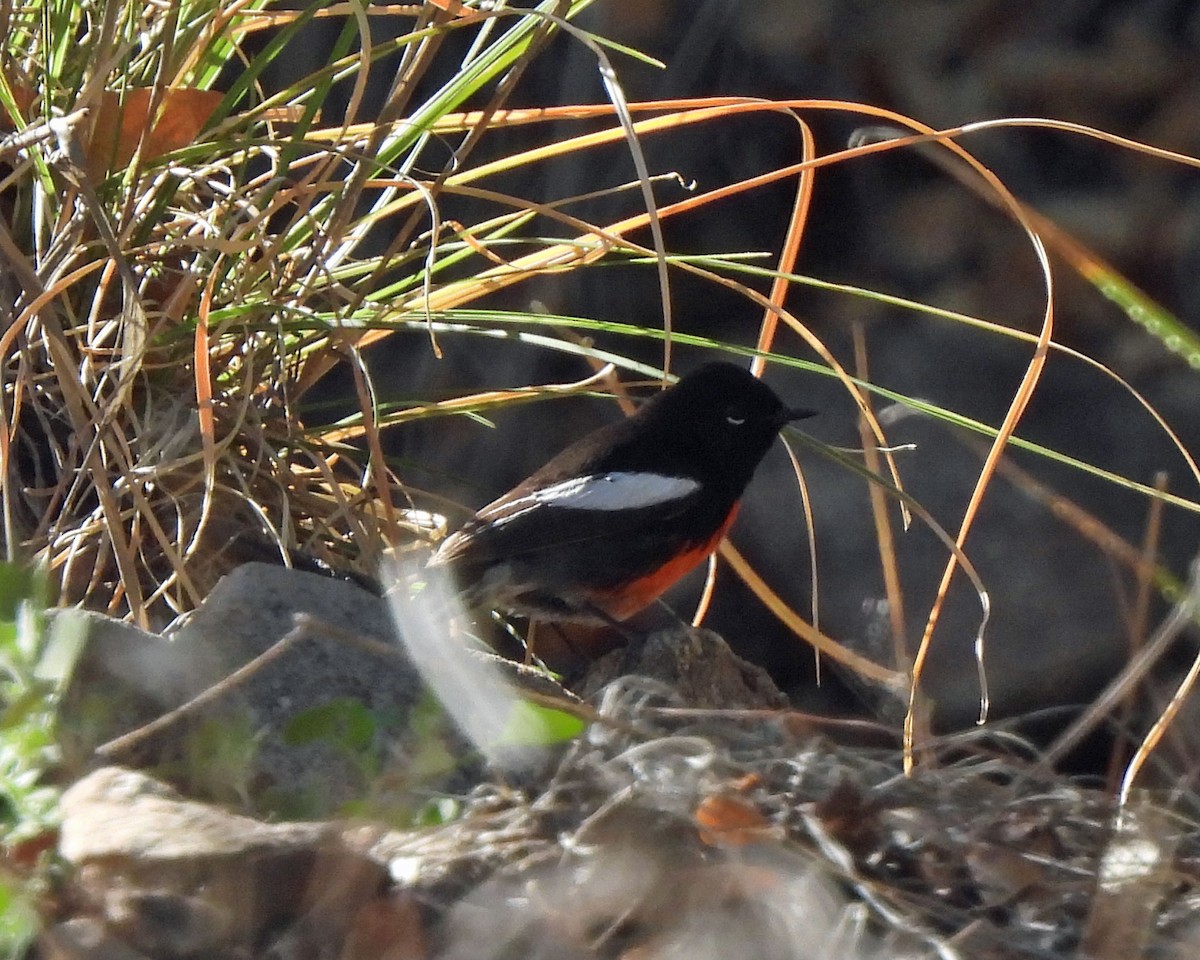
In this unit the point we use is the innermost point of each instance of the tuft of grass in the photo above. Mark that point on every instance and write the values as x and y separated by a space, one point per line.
192 249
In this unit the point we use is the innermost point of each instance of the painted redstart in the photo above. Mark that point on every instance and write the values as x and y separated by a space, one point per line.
610 523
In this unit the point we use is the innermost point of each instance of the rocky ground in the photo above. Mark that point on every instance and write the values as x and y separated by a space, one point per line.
696 816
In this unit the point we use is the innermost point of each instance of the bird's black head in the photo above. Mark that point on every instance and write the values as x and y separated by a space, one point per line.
722 414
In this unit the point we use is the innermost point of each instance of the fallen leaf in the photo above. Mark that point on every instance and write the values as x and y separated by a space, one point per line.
725 819
120 126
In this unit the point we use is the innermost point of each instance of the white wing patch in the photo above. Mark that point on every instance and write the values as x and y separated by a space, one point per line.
619 490
616 491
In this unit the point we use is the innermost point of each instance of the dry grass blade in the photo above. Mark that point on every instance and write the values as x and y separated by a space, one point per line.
883 525
1139 619
1085 524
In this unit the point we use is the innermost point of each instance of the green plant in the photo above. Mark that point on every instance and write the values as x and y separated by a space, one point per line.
36 660
35 664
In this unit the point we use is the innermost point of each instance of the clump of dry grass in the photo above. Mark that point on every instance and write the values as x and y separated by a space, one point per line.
190 250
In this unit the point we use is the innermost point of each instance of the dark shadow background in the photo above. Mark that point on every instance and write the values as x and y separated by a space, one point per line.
896 224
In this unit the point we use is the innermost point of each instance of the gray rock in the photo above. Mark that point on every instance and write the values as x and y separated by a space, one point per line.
249 611
240 745
115 814
176 878
256 605
123 679
322 721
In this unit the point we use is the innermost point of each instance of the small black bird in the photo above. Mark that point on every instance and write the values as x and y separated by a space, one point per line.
610 523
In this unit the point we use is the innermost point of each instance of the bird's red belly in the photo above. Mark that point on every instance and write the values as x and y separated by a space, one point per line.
637 594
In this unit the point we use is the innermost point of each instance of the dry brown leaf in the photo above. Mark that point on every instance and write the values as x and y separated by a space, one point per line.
121 125
727 820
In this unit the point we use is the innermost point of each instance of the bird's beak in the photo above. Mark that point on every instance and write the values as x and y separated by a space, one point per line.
789 415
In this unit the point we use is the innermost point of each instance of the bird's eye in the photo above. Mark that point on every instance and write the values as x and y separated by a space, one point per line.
735 417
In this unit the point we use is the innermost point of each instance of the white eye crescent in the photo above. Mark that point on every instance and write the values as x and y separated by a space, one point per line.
734 421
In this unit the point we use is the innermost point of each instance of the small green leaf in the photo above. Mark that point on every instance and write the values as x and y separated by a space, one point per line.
343 721
531 724
218 759
19 920
67 635
19 584
437 811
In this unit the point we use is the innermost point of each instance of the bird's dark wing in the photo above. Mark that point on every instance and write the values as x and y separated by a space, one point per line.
598 530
